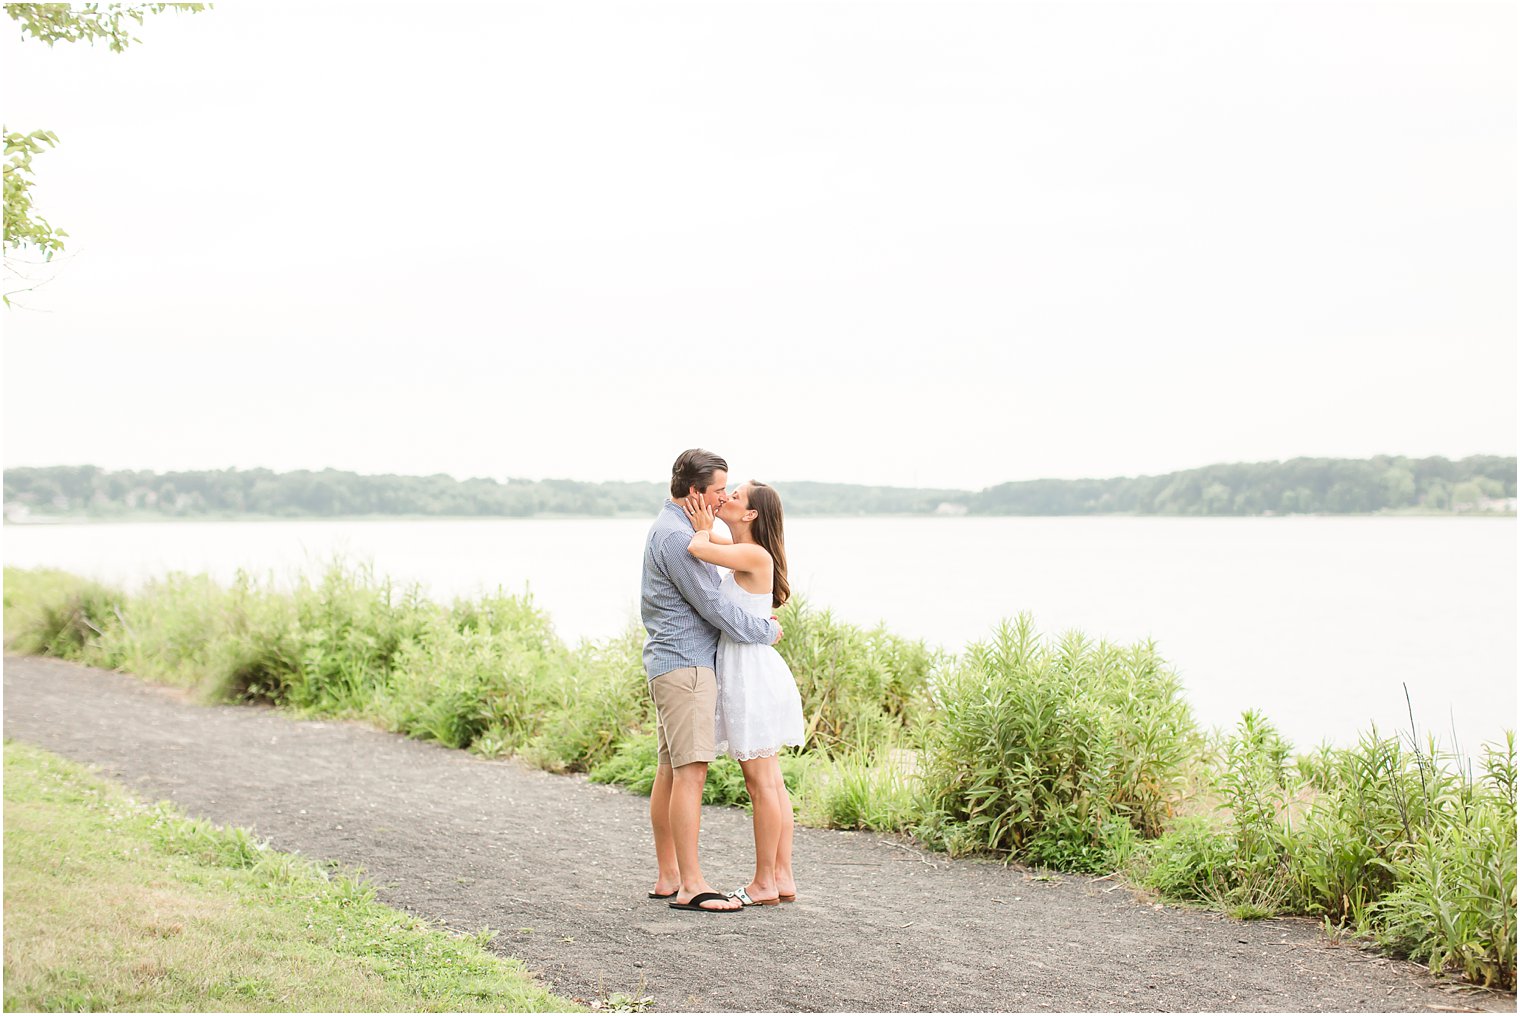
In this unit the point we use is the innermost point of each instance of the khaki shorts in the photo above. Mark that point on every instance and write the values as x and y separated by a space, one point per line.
685 705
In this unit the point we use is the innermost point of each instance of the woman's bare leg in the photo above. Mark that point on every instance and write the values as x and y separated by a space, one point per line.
762 777
786 884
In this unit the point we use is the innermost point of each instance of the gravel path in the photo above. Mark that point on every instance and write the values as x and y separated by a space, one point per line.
560 867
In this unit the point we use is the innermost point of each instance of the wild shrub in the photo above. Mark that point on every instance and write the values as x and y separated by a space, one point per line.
1256 784
351 629
169 629
24 589
602 698
1067 847
1156 737
1235 860
1036 746
631 764
859 686
256 653
55 614
1193 861
1453 903
1369 801
457 684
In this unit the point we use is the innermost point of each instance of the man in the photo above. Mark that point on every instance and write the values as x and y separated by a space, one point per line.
683 613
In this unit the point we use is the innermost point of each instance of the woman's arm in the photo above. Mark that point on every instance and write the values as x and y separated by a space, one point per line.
698 586
745 557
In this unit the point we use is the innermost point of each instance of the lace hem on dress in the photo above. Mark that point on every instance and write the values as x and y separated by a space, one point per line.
750 756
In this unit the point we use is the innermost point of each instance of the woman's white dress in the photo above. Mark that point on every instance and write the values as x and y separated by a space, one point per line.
759 709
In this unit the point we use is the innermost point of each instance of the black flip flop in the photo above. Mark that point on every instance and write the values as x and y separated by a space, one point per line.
663 896
696 904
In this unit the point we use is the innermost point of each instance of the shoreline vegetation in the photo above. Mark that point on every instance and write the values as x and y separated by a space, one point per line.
1478 484
151 518
1060 751
162 912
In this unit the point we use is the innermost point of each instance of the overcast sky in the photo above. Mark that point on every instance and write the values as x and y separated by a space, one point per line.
921 243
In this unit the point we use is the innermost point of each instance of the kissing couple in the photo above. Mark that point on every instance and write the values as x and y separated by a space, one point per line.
719 688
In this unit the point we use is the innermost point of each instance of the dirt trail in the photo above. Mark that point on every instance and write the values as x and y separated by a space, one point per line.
560 867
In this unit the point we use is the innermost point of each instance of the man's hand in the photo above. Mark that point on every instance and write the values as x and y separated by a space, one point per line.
780 634
700 515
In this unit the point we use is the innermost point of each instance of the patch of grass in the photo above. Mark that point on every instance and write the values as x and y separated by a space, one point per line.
623 1002
114 905
861 790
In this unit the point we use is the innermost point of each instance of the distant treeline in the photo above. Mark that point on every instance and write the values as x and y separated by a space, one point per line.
1477 483
1338 486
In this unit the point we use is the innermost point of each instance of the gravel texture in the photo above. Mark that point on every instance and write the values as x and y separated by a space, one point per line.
560 867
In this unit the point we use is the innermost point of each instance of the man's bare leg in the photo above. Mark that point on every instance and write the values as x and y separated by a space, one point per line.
668 877
685 827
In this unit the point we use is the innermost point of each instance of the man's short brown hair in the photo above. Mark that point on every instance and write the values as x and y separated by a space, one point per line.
694 468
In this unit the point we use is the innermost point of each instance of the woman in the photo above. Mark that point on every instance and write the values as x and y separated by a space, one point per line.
759 709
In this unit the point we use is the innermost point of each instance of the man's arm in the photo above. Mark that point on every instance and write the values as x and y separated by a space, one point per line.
695 584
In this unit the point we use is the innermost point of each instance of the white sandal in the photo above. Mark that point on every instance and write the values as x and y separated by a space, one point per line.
744 898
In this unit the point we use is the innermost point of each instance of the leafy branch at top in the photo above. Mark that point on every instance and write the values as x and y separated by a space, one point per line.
21 228
52 23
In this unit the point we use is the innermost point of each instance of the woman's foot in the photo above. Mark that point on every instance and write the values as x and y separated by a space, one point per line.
762 892
786 885
665 887
743 896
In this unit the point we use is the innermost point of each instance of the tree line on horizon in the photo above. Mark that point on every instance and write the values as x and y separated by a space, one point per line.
1298 486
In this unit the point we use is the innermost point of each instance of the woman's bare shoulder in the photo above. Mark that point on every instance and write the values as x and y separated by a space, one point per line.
757 554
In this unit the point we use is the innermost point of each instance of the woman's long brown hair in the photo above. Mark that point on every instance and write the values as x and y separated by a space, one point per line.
766 529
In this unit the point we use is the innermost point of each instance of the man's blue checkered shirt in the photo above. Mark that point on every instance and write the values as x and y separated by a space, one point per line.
682 609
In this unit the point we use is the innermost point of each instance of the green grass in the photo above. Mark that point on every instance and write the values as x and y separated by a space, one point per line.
865 789
115 905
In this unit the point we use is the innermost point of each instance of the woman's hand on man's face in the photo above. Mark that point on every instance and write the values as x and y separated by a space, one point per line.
699 513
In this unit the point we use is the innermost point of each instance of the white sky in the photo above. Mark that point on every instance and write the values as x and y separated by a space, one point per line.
930 243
